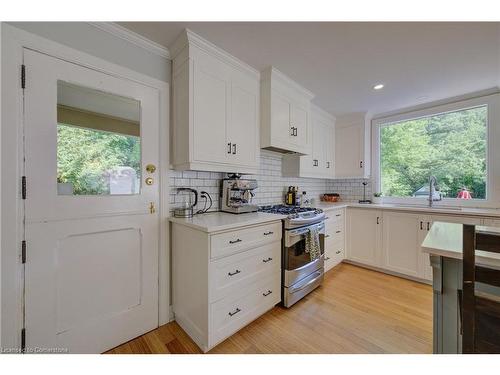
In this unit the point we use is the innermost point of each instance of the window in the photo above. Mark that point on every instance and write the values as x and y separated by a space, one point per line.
98 142
451 146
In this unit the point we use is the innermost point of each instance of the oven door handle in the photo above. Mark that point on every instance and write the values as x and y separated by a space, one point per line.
320 227
317 274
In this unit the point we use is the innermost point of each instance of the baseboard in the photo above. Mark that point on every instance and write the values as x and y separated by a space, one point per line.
392 273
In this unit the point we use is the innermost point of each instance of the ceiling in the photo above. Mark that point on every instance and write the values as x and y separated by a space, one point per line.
341 62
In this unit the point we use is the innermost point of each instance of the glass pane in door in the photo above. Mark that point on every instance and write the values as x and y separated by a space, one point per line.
98 142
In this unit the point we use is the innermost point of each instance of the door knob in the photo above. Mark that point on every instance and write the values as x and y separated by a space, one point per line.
150 168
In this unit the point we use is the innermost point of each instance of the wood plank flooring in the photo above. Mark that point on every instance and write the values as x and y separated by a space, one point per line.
355 311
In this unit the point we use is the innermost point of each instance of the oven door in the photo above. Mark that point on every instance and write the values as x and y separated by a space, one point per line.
297 263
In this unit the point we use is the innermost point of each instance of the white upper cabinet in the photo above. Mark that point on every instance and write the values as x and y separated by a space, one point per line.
352 146
286 114
215 109
320 162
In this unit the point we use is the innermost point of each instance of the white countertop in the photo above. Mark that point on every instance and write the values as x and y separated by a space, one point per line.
445 239
220 221
466 211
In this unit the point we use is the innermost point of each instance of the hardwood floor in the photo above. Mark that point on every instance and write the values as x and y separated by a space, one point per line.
355 311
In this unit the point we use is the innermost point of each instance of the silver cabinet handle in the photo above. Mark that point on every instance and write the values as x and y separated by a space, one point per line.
428 226
268 233
338 231
378 220
338 251
234 312
293 131
338 215
296 131
229 148
327 235
234 148
234 273
235 241
268 293
267 260
361 164
328 164
327 258
421 223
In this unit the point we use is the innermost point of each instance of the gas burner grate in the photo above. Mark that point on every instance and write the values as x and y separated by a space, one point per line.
284 210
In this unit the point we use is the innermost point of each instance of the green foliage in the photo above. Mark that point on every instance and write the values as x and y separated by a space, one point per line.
450 146
84 156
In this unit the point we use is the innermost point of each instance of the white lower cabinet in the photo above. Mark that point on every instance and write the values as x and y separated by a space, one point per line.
391 240
364 235
222 281
334 238
401 243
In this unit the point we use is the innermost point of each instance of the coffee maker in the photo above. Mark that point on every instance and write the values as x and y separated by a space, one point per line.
237 195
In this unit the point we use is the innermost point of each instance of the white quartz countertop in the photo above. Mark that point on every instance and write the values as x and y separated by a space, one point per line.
466 211
221 221
445 239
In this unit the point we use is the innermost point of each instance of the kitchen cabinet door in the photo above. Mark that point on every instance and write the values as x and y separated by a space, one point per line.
364 230
280 118
242 132
349 151
299 120
211 100
401 243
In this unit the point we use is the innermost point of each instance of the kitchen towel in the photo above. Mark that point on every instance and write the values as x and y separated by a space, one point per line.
312 244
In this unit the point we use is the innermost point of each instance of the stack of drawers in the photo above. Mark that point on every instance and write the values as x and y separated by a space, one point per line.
243 280
334 238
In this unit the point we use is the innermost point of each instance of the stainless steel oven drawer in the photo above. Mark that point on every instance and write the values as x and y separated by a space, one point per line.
298 290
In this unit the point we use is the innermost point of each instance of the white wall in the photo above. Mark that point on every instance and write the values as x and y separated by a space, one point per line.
87 38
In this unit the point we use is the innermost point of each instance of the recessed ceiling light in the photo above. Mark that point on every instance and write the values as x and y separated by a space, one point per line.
378 86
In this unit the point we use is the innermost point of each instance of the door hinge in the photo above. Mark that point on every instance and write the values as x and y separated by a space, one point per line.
23 340
23 251
23 187
23 76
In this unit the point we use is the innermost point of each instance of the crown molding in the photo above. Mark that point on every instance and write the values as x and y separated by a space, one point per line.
272 73
132 37
322 112
188 37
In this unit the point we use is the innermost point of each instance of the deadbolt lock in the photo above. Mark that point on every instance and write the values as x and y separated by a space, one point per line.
149 181
150 168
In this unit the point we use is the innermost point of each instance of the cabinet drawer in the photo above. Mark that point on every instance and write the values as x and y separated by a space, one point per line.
234 312
335 215
232 273
335 231
228 243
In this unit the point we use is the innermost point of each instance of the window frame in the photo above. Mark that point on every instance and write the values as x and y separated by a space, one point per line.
492 102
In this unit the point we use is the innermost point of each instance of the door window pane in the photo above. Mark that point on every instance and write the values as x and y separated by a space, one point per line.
450 146
98 142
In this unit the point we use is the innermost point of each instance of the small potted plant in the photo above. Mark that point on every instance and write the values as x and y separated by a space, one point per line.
377 198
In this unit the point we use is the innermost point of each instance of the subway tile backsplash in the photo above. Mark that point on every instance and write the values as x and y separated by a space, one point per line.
272 185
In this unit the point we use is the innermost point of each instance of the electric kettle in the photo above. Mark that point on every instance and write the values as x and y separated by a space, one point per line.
186 208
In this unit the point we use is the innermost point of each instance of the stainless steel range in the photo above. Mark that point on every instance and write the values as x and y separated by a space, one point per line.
300 275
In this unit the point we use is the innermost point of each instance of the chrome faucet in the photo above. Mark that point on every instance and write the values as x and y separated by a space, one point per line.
432 189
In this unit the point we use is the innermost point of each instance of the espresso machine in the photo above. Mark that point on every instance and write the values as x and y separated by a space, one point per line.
237 195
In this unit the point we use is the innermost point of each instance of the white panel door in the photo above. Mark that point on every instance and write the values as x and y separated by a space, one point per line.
91 275
349 144
401 243
243 130
211 103
364 230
